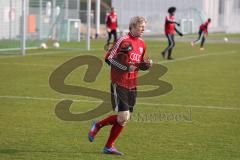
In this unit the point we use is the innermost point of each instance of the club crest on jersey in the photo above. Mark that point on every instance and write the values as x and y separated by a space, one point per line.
140 49
113 18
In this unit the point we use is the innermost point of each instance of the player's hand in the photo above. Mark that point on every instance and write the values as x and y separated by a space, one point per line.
180 34
151 62
145 65
132 68
108 30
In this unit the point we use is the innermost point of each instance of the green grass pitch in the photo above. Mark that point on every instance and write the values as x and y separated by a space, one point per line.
206 99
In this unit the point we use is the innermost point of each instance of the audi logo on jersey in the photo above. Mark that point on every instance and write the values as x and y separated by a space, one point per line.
135 57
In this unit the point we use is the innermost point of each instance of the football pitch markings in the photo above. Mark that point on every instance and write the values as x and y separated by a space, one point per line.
197 56
60 51
26 64
138 103
161 62
153 104
29 54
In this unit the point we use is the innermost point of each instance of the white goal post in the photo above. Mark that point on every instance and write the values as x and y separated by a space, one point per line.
187 26
73 29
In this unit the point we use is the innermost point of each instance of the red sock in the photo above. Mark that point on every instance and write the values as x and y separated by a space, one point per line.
112 119
115 131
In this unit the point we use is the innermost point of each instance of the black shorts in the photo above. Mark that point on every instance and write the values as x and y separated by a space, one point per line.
123 99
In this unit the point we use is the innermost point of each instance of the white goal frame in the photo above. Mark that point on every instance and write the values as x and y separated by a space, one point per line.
78 21
184 28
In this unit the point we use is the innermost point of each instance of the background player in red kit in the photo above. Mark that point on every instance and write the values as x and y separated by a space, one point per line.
111 24
126 57
169 32
203 32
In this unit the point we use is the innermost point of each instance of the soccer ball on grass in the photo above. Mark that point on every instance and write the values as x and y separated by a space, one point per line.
56 45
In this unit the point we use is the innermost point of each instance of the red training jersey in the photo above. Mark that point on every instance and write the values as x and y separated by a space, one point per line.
169 27
119 72
204 27
112 21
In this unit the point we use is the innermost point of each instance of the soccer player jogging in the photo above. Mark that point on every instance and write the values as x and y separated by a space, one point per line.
202 33
111 24
169 32
126 57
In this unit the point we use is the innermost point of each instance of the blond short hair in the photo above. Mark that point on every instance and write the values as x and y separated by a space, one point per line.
136 21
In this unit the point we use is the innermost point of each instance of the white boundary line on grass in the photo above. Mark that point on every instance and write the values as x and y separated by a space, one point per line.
189 106
48 99
27 64
60 51
162 62
139 103
197 56
29 54
17 49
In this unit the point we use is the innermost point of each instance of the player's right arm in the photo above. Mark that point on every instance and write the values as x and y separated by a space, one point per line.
117 56
108 21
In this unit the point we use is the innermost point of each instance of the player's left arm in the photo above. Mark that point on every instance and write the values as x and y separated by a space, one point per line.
178 32
117 23
168 20
146 62
206 31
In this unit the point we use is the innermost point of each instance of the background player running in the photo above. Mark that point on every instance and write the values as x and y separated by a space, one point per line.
203 32
169 32
126 57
